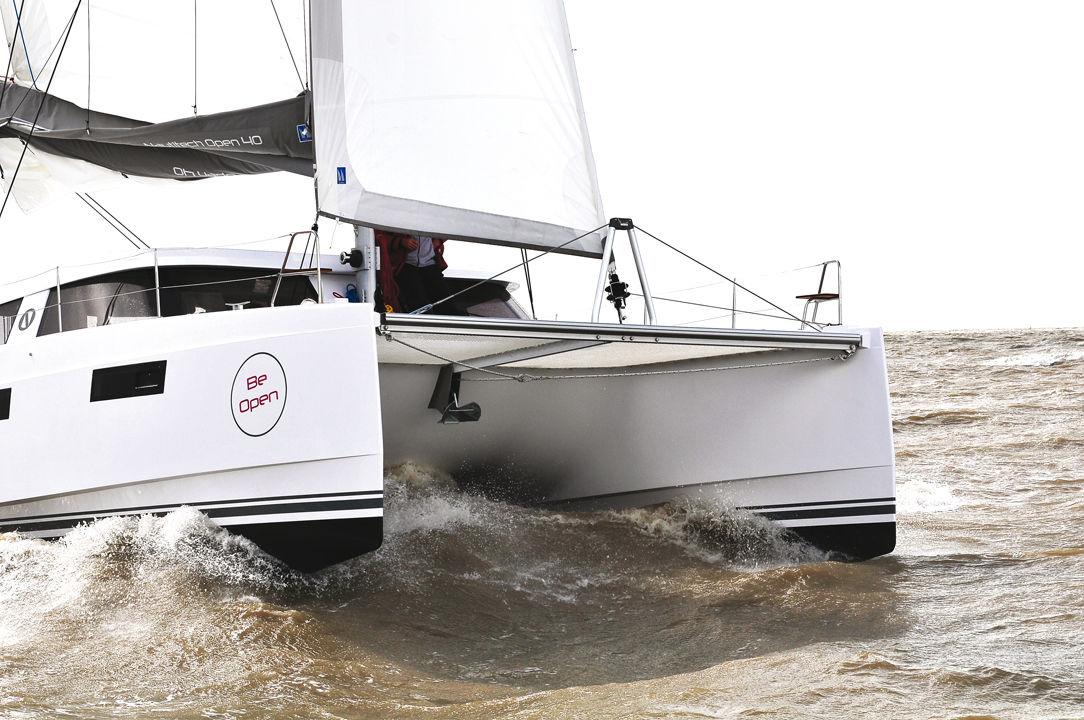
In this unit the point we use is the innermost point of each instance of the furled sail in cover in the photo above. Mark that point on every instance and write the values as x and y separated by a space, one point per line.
138 66
460 119
240 142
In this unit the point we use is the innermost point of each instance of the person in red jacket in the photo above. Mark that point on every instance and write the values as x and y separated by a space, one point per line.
417 273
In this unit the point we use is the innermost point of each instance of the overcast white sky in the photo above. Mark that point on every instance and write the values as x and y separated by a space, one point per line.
935 148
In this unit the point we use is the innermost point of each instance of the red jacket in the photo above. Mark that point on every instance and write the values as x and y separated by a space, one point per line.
393 254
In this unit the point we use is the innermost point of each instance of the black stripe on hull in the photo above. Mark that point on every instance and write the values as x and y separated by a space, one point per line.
311 545
828 512
204 507
859 541
305 545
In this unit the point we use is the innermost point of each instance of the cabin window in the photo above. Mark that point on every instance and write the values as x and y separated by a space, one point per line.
487 300
104 300
188 290
130 295
8 316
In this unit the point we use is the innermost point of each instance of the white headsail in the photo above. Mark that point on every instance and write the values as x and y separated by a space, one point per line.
459 119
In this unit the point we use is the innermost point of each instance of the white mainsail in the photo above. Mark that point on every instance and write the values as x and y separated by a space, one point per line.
459 119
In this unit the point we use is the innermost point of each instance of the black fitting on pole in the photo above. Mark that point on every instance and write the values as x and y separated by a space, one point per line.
622 223
617 292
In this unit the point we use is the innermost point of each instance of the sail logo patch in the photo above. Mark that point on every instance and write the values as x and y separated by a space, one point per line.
340 175
303 133
259 394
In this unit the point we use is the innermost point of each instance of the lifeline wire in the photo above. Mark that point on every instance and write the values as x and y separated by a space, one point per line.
712 307
26 142
724 277
482 282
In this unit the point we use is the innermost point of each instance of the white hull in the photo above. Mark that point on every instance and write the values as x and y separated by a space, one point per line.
306 485
807 444
771 422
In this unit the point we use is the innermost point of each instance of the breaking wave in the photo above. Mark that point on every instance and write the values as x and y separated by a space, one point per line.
1041 359
925 496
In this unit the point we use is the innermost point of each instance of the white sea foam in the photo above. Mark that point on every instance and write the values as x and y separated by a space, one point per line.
923 496
717 533
1042 358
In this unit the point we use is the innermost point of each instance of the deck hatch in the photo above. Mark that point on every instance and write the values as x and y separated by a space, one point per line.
122 381
5 403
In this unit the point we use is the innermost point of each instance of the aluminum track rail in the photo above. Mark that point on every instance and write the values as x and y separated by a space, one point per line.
606 332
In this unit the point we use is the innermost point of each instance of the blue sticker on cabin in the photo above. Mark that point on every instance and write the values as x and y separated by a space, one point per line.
303 133
340 175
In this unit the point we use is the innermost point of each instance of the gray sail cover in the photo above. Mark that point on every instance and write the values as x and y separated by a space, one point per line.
253 140
459 119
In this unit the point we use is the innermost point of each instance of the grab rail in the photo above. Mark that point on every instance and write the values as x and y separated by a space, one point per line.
815 299
312 258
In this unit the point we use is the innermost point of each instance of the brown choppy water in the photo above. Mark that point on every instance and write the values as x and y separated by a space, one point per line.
478 609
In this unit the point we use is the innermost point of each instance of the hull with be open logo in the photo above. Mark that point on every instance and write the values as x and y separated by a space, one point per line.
259 394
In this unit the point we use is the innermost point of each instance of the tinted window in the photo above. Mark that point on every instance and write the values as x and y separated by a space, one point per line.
105 300
129 295
187 290
8 311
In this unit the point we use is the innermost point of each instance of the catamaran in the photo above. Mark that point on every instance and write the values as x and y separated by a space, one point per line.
270 390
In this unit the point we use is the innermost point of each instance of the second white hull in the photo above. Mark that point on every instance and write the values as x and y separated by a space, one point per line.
807 444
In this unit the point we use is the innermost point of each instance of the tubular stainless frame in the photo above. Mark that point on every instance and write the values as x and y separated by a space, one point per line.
608 263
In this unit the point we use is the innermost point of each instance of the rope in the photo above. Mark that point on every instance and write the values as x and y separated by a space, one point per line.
33 127
724 277
432 305
287 41
528 377
527 274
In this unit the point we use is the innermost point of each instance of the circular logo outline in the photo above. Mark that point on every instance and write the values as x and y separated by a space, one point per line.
27 320
285 387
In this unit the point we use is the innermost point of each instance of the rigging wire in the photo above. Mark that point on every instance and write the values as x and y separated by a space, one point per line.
724 277
454 295
527 274
88 67
114 220
83 197
305 33
287 41
22 39
195 57
58 44
34 125
11 53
